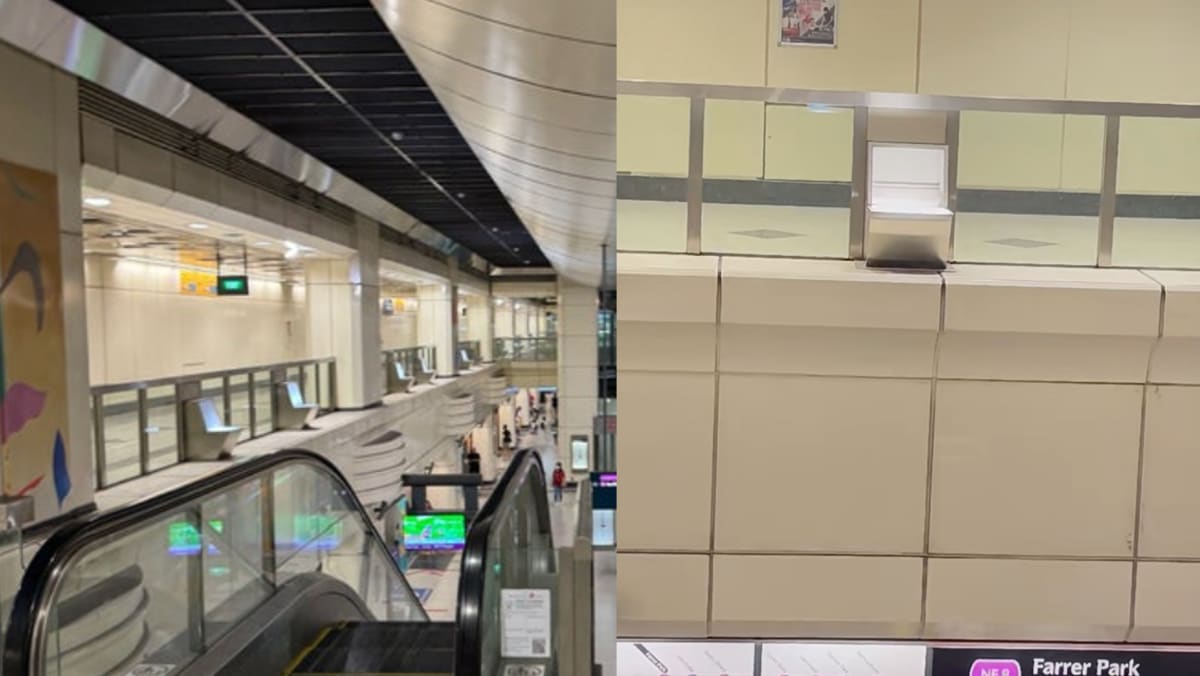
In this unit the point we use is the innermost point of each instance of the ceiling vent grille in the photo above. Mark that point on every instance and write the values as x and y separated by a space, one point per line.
148 126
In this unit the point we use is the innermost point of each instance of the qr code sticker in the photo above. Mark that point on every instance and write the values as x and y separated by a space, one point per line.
539 646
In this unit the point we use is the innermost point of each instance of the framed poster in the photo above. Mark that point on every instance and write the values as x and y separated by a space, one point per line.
808 22
525 623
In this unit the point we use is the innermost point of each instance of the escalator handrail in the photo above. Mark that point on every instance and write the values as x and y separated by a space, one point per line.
25 639
473 577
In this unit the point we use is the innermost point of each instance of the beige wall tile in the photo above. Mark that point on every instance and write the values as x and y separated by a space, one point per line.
1159 156
816 293
1118 55
845 596
733 139
666 346
662 595
1043 357
1167 607
651 226
1035 468
803 145
827 351
876 50
1013 49
667 288
1170 500
1014 599
845 458
672 41
654 135
799 231
666 441
1029 151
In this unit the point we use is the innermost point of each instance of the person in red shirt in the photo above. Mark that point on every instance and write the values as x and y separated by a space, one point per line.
559 479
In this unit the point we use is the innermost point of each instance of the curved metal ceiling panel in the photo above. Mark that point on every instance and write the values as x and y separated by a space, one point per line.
530 84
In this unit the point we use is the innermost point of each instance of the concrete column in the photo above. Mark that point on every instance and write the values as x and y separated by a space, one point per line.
577 362
47 455
435 323
343 311
502 319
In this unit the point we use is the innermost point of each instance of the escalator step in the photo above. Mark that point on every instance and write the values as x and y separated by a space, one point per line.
381 648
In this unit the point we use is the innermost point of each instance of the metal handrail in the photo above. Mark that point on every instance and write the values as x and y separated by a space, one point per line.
323 371
24 645
110 388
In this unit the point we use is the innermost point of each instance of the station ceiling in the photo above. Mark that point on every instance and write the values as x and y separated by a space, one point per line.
330 77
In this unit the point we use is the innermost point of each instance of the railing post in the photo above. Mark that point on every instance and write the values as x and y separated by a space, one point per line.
98 440
143 434
250 391
195 585
267 488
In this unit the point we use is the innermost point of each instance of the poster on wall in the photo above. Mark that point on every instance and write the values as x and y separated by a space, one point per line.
808 22
663 658
33 380
196 283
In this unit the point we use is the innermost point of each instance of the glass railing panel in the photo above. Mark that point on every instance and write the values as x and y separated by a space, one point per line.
122 435
214 388
325 386
162 433
235 567
263 423
239 404
318 528
122 602
308 383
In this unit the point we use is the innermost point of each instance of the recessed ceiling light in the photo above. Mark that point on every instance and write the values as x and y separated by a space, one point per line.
397 135
462 195
526 262
516 249
198 226
495 229
97 201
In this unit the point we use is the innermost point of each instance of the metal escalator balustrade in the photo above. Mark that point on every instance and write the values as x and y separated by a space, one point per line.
272 561
192 563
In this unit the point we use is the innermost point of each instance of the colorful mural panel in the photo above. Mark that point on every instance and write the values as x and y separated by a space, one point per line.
33 383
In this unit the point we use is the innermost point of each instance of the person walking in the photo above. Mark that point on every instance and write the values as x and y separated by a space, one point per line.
559 479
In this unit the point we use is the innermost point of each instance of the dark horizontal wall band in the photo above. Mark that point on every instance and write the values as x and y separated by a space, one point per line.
1158 206
777 193
651 188
970 200
1028 202
736 191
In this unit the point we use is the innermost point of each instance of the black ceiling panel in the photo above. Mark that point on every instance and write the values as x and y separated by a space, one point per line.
386 101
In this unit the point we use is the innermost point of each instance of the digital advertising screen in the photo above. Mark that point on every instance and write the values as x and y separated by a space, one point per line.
435 532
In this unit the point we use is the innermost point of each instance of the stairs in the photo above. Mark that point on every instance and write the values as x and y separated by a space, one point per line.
380 649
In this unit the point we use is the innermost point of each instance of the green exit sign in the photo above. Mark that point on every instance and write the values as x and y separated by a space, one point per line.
233 285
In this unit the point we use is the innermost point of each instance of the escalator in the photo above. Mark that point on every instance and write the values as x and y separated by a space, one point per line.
274 567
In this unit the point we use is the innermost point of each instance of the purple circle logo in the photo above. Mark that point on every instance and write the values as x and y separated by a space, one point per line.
995 668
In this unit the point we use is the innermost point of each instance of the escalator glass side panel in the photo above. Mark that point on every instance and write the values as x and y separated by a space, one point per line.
160 581
507 602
